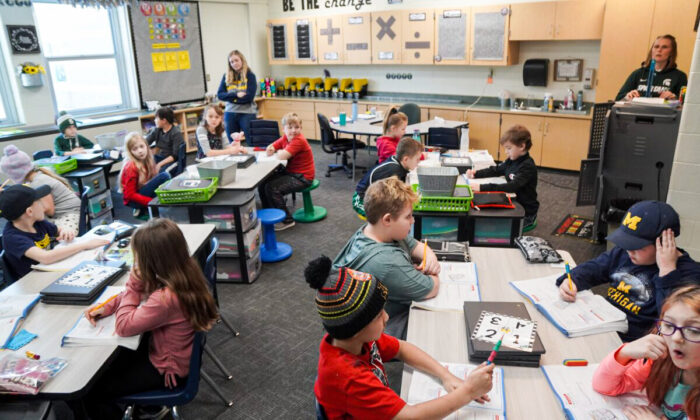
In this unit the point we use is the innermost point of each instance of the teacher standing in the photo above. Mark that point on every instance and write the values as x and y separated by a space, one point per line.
237 89
667 80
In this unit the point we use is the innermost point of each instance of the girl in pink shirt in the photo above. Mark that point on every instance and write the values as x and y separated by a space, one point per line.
166 299
666 364
394 128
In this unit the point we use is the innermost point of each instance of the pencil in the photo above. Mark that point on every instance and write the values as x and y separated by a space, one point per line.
568 274
497 347
425 251
103 303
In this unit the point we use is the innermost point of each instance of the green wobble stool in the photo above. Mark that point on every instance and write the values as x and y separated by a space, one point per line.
310 213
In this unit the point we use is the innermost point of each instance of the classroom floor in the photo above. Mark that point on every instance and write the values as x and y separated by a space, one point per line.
274 359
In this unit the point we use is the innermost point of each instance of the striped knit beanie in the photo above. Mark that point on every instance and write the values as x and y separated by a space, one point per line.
64 121
347 300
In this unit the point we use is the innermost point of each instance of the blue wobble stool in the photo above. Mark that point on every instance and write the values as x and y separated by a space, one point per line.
271 250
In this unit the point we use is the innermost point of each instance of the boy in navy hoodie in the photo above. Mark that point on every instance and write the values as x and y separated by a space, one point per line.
642 270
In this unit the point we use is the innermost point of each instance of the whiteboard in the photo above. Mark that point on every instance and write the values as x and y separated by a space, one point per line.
168 51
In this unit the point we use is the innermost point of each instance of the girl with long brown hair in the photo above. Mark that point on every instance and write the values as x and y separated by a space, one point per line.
237 89
210 139
666 363
167 298
394 127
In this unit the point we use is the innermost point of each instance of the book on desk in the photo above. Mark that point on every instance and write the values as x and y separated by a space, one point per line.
13 309
459 283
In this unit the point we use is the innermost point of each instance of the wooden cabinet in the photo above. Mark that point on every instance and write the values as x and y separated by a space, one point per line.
418 27
452 36
484 130
488 37
560 20
186 119
534 124
357 34
276 109
386 37
565 143
279 41
446 114
329 37
676 17
304 41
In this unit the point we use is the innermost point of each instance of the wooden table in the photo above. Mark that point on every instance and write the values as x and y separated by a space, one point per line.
52 322
443 335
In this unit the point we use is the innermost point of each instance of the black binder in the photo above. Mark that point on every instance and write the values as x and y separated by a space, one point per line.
479 351
450 251
98 274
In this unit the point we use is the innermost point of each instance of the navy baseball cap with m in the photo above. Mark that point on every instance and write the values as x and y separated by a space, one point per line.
643 223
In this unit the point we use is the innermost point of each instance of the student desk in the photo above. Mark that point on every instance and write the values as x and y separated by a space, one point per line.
443 335
51 322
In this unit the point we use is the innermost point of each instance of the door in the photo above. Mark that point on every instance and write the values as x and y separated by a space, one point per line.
452 36
386 37
418 29
484 131
489 36
329 36
578 19
534 124
304 35
565 142
532 21
279 41
357 34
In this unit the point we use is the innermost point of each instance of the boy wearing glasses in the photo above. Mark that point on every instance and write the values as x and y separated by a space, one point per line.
642 270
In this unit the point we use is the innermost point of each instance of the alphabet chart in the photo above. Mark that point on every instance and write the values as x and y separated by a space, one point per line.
520 336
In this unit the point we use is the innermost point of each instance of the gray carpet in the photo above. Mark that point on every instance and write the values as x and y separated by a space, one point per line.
274 358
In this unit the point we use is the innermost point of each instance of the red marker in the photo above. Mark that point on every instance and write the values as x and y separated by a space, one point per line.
575 362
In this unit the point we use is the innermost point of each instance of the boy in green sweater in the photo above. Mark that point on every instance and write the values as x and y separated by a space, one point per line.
69 142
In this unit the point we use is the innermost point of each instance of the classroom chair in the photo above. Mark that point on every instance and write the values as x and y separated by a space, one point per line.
180 395
320 412
9 275
42 154
412 111
310 213
271 250
84 222
176 168
210 274
40 410
263 133
339 146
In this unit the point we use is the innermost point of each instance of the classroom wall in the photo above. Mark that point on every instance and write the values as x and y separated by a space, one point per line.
684 191
447 80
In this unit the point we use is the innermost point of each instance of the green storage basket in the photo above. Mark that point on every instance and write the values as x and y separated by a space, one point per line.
58 164
445 204
193 195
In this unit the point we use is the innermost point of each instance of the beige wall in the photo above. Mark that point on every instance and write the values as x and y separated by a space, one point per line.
684 191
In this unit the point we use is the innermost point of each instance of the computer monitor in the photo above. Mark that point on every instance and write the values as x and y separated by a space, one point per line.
443 137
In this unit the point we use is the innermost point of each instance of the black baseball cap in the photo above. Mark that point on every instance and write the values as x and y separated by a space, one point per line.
16 199
643 223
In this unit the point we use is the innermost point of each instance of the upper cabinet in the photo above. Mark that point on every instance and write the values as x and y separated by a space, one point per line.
557 20
357 38
386 37
452 36
418 27
329 37
488 37
304 36
676 17
279 41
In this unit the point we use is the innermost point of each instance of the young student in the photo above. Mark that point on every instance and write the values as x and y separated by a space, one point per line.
385 249
666 366
642 269
166 297
69 142
27 237
298 174
237 89
520 172
394 128
62 206
351 381
167 137
211 140
408 154
139 177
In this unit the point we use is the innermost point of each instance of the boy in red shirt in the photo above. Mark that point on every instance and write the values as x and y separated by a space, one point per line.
351 382
298 174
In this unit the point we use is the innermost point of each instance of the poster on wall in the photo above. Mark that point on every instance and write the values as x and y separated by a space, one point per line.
168 51
23 39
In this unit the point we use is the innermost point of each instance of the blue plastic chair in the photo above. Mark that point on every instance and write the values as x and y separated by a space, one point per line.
9 276
320 412
178 167
263 133
210 274
181 394
271 250
42 154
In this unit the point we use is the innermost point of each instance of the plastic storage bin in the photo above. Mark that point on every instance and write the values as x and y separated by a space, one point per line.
103 219
224 170
438 181
222 217
59 164
95 183
99 203
229 270
109 141
252 240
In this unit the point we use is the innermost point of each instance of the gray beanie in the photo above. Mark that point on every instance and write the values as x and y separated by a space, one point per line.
15 164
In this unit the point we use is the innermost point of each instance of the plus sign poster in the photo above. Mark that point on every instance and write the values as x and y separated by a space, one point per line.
168 49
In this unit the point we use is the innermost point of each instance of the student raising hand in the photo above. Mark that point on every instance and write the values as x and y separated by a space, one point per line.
650 346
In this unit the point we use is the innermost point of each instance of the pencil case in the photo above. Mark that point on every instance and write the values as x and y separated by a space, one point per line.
537 250
492 199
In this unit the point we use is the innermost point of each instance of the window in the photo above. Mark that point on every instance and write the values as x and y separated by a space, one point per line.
8 115
88 57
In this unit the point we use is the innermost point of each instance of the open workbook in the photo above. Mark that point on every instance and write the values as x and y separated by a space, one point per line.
589 314
103 334
425 388
13 308
458 284
572 385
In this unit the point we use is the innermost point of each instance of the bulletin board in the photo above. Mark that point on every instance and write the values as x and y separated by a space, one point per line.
168 51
